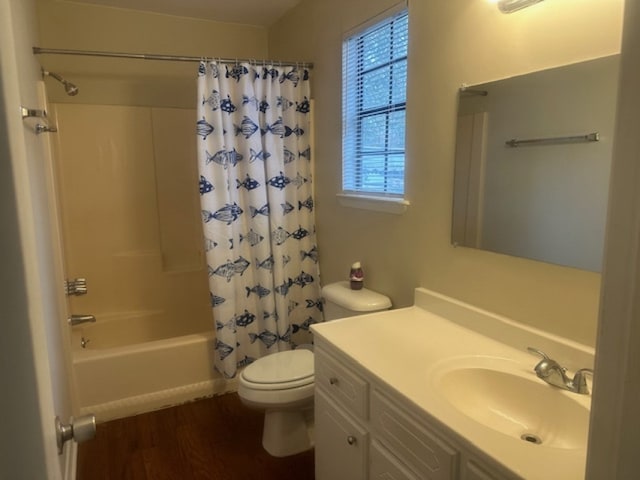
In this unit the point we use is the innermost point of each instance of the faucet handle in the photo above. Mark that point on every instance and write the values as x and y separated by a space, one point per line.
579 381
539 352
545 367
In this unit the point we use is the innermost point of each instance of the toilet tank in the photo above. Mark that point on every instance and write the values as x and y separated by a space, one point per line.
341 301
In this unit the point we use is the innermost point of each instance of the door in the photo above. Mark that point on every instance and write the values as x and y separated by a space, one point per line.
33 365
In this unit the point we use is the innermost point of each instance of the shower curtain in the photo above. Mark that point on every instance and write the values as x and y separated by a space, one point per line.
254 160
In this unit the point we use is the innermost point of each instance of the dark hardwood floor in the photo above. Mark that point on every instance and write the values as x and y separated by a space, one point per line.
216 438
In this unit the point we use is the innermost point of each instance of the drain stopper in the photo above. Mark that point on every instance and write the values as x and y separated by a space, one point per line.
531 438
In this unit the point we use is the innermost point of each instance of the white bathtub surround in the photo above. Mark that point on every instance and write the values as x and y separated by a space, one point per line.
124 381
448 340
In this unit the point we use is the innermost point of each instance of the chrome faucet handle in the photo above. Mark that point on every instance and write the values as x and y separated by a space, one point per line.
547 366
551 372
539 352
579 382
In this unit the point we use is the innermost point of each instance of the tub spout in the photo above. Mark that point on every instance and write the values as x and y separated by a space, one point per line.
78 319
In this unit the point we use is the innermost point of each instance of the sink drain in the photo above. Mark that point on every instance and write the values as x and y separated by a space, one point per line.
531 438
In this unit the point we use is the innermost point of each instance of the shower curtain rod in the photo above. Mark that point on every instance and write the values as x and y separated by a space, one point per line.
170 58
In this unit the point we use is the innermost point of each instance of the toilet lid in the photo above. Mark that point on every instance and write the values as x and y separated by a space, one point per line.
281 367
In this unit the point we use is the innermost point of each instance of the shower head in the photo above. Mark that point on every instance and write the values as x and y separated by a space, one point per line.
69 87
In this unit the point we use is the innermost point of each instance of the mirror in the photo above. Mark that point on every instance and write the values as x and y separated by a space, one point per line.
533 157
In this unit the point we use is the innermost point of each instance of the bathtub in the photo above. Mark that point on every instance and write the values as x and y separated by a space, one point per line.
118 381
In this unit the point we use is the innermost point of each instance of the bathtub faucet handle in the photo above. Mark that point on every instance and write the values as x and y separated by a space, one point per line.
77 286
78 319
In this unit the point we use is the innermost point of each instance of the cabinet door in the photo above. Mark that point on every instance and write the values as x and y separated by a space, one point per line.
341 444
419 447
384 466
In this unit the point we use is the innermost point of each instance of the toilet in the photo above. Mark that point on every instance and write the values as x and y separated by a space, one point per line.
282 383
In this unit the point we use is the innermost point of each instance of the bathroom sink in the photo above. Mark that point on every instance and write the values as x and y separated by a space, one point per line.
515 403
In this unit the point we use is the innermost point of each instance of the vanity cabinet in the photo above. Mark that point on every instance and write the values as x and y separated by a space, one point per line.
341 414
344 442
385 466
476 470
366 431
410 440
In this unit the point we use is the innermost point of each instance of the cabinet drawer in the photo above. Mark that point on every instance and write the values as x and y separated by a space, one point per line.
384 466
342 384
420 449
474 470
341 444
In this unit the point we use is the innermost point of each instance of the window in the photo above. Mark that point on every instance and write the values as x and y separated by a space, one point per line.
374 77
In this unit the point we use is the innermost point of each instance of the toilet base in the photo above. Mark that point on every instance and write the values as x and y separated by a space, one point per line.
287 432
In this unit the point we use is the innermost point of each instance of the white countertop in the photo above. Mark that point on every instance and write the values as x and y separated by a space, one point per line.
404 348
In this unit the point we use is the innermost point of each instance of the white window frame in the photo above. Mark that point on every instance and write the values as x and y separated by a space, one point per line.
354 197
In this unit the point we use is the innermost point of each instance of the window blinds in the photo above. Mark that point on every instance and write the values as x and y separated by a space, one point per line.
374 74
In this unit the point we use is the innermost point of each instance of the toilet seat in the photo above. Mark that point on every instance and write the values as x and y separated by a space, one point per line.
280 371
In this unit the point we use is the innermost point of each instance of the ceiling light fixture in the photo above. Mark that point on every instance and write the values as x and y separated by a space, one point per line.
510 6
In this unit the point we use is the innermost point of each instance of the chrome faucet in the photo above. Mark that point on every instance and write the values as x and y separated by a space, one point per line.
551 372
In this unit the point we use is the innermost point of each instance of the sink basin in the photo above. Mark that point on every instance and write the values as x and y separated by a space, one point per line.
516 403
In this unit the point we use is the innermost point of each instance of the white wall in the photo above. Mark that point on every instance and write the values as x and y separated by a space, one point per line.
450 43
108 81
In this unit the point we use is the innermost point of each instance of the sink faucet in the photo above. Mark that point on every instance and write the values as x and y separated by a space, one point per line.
551 372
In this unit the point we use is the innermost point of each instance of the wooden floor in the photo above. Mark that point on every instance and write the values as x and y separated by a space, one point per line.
216 438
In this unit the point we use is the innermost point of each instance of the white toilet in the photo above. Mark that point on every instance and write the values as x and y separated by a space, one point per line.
283 383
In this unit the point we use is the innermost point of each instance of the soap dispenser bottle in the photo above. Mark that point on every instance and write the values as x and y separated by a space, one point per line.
356 276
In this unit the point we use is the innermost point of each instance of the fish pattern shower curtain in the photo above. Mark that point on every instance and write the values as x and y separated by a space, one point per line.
254 160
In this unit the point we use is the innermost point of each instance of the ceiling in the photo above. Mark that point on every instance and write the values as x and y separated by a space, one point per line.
250 12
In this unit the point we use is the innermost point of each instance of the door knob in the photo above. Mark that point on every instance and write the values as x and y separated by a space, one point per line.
80 429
